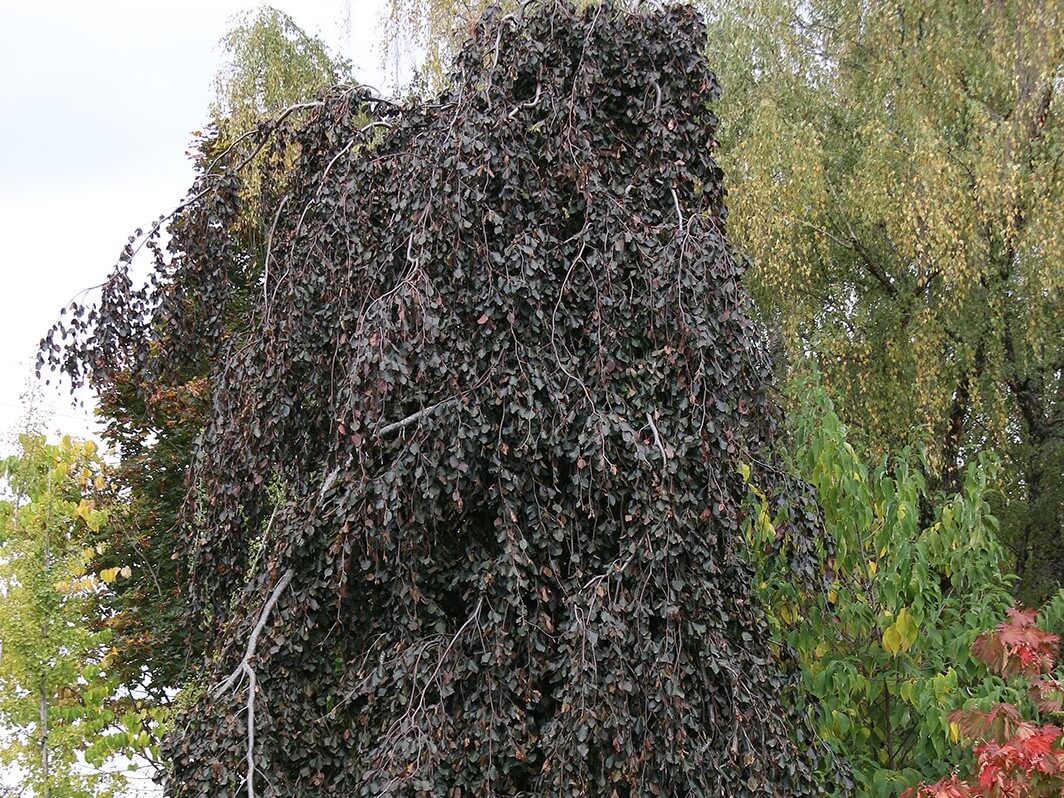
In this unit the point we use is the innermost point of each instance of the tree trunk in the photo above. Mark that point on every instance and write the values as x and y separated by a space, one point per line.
42 689
42 708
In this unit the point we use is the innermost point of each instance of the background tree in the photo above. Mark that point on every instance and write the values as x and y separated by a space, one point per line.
270 63
895 175
431 28
59 698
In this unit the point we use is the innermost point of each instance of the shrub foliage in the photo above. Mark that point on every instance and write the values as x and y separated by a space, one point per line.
915 578
466 513
1013 757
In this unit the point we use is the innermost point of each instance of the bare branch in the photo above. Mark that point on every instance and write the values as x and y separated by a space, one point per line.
245 669
420 414
657 440
679 213
269 247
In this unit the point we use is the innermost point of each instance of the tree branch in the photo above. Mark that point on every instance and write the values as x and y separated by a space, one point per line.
420 414
657 440
245 668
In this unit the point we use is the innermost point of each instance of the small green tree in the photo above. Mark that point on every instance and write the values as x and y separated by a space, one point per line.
885 652
58 697
270 64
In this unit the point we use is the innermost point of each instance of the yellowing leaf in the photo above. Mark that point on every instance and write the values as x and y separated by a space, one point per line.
892 642
109 574
84 510
906 628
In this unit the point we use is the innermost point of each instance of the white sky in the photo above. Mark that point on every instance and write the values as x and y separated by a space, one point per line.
97 103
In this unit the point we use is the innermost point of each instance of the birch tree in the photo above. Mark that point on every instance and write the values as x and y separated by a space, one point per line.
57 695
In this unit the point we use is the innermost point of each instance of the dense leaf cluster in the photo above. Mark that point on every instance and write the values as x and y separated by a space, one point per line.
885 651
482 397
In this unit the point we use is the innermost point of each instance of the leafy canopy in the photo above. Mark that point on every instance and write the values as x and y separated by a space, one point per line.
884 652
895 174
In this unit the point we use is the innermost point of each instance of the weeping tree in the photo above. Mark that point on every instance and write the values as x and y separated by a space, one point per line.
465 515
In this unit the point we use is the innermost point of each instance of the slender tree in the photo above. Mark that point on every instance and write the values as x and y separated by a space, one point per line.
58 697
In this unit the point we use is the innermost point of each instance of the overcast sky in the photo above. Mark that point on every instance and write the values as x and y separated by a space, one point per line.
97 103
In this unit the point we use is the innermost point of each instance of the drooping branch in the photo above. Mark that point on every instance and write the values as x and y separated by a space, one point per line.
245 668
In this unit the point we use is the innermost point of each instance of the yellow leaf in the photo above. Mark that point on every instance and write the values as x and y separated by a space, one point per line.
109 574
906 628
905 690
84 510
892 642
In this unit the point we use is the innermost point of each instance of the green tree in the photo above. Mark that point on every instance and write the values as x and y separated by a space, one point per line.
895 175
58 695
270 64
885 653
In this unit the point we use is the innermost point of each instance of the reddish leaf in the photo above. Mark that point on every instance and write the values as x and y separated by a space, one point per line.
1047 694
1007 769
1017 646
998 723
